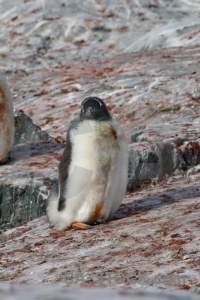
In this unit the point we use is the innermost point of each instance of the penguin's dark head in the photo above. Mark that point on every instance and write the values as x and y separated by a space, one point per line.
93 108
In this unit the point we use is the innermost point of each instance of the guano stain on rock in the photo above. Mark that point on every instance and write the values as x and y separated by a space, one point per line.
153 93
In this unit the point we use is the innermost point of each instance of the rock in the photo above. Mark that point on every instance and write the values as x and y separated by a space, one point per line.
134 137
152 160
157 80
170 35
26 131
23 201
67 32
143 246
22 292
75 50
26 182
190 152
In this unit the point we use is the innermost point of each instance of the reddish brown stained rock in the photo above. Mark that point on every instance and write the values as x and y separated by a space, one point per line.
148 237
155 233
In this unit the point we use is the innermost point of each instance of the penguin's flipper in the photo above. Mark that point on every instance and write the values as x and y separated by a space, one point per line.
64 169
64 166
80 225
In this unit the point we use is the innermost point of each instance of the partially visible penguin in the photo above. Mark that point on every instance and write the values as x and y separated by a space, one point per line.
93 170
6 120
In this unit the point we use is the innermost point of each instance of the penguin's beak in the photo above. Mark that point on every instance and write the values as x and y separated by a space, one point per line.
90 111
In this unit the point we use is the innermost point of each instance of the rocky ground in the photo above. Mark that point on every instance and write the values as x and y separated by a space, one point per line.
22 292
142 58
153 241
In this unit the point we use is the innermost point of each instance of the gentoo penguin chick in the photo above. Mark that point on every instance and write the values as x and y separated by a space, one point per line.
6 120
93 170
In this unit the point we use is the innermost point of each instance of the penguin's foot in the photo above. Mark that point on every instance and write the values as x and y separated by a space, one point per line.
80 225
3 160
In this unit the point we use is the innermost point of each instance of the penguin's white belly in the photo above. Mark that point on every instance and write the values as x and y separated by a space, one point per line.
97 175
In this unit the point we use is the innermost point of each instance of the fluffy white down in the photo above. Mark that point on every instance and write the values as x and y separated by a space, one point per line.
97 175
6 119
